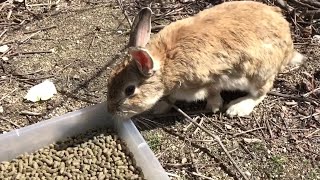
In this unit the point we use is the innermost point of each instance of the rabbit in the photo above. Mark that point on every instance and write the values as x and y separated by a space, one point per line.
239 45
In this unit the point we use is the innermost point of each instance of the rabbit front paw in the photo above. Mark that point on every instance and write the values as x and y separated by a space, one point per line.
241 107
161 107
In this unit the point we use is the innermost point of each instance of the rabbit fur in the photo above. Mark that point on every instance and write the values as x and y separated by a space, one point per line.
239 45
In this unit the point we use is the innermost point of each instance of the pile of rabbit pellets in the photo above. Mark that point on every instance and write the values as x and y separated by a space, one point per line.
96 154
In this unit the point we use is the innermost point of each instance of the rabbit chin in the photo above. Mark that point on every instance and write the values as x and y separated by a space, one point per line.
123 115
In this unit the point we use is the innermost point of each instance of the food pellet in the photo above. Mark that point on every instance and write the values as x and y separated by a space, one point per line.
98 154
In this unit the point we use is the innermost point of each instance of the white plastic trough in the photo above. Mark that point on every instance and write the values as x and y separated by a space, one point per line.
31 138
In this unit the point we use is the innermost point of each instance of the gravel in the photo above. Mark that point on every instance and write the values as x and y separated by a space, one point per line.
98 154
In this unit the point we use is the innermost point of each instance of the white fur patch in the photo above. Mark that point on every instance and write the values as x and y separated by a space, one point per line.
227 83
191 95
243 106
156 65
268 45
152 100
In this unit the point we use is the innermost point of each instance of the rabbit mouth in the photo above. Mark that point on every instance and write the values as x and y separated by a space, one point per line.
124 114
129 112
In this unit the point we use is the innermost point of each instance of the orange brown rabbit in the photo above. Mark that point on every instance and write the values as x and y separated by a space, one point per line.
240 45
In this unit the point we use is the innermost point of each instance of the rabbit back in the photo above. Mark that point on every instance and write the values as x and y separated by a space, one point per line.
244 42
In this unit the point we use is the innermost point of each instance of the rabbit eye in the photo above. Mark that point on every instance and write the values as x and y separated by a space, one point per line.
130 90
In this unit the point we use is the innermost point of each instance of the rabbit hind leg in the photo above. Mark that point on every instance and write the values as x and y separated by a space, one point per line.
245 105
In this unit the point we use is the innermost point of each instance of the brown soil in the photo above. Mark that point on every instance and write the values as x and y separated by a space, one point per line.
90 35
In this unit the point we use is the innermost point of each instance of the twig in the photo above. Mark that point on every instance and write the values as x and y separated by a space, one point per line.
202 176
233 150
3 5
311 92
28 9
124 12
162 152
305 43
34 5
40 29
200 123
298 130
189 125
312 115
269 128
174 114
28 73
173 175
244 132
30 113
313 3
178 165
3 32
26 81
217 138
303 4
247 150
35 78
9 14
8 94
314 132
5 119
200 140
283 5
31 52
297 98
29 37
63 68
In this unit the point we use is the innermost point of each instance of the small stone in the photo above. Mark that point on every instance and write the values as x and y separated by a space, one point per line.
5 58
284 150
227 126
268 151
76 76
316 39
247 173
184 160
1 109
4 48
301 149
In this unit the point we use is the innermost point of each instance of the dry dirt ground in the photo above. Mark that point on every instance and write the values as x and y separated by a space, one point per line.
280 140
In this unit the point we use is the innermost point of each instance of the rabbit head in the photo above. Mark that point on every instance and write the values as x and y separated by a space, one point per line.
134 85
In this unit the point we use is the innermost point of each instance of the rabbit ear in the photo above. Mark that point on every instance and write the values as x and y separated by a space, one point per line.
141 28
143 60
